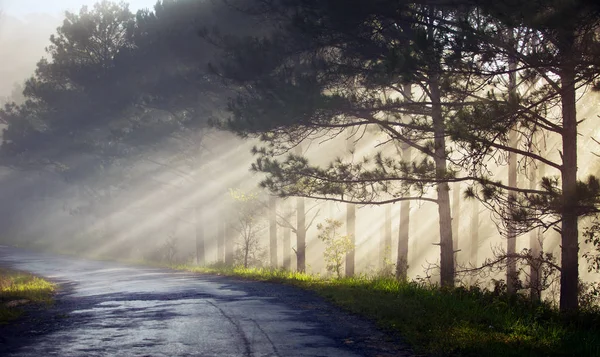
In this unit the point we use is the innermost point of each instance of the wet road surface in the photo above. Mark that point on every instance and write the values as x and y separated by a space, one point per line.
111 309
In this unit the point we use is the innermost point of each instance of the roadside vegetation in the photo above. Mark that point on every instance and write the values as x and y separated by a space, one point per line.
460 321
18 289
446 322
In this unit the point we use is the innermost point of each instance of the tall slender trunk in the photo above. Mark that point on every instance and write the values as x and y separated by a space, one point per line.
300 235
535 245
273 230
404 222
386 256
473 259
300 229
287 241
511 243
569 277
443 194
350 222
455 218
200 254
403 236
351 232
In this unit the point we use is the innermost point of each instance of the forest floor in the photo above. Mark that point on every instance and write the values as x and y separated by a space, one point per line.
446 322
19 290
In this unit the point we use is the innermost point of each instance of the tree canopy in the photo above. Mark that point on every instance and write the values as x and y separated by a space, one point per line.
470 86
336 66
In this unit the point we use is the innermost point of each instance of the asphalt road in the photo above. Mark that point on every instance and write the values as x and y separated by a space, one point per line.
110 309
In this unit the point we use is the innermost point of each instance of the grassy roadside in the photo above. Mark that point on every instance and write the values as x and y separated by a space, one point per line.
18 289
457 322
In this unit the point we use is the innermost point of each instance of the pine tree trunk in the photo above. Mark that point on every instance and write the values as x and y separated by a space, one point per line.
535 245
199 230
511 243
404 223
455 218
386 257
403 236
300 235
445 218
351 232
473 259
569 277
287 240
273 231
350 221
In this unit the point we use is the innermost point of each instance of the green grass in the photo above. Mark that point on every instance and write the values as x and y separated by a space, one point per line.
446 322
18 289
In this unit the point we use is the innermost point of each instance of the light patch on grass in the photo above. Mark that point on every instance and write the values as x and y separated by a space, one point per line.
18 289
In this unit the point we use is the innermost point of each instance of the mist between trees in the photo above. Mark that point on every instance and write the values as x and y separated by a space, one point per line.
454 142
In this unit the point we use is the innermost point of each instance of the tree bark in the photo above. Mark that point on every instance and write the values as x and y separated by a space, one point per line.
569 277
404 223
350 221
473 259
273 231
445 218
455 218
386 256
287 241
351 232
403 236
300 235
511 243
300 229
535 245
199 230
